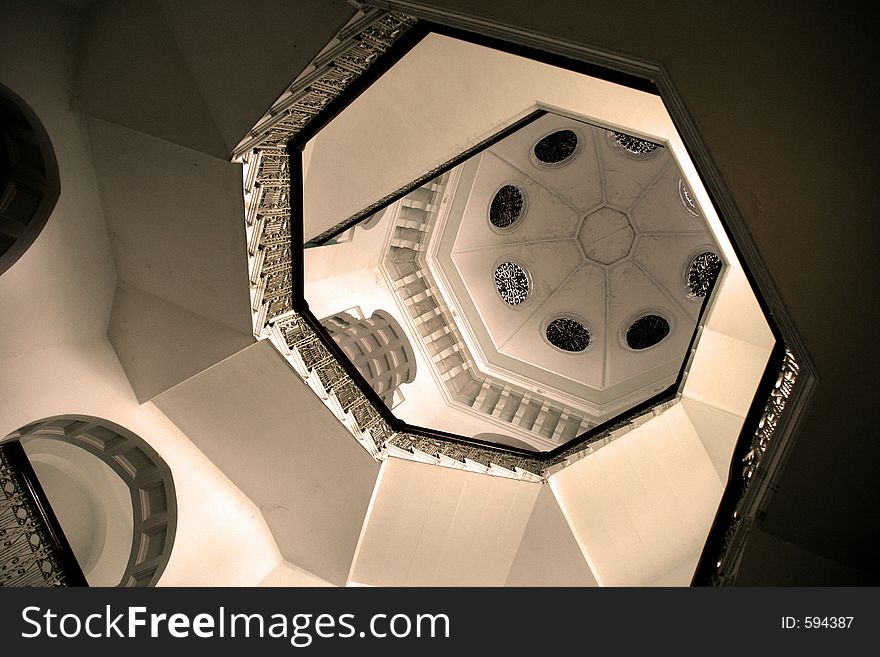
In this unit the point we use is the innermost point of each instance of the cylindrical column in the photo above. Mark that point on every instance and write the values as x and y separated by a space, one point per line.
378 347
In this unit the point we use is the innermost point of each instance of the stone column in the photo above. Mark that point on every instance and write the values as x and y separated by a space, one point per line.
378 347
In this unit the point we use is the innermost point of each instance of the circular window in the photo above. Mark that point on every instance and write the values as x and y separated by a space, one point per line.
557 147
507 206
568 334
633 146
512 283
646 331
687 199
701 274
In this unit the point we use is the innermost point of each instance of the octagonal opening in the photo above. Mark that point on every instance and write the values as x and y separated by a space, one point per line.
603 237
606 236
636 132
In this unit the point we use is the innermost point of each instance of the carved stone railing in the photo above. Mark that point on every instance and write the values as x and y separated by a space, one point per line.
267 226
754 476
357 47
321 370
267 197
33 549
146 475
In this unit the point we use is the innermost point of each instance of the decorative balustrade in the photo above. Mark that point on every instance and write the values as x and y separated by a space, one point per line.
267 225
33 550
354 50
357 47
314 361
754 470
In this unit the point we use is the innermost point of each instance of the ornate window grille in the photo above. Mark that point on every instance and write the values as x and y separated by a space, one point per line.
506 207
646 331
512 283
557 147
701 274
633 145
568 334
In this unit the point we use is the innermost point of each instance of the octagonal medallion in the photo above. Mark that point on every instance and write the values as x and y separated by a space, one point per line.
606 236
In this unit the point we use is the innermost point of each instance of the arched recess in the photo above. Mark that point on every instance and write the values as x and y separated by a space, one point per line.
29 180
148 477
502 439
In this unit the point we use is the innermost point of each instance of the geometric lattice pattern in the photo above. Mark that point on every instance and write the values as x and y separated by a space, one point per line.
27 555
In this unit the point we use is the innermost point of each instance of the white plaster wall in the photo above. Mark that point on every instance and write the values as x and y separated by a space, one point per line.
55 301
488 90
733 351
434 526
548 554
92 503
54 307
641 506
214 518
60 289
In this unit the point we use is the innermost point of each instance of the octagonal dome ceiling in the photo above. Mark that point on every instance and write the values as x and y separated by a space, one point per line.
546 281
543 283
601 239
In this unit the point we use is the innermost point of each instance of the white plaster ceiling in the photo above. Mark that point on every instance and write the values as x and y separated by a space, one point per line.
605 237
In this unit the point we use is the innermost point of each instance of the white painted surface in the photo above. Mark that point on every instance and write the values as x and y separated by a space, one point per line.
175 219
288 574
736 313
273 437
642 505
214 518
587 256
434 526
477 82
54 307
92 504
548 554
725 372
60 289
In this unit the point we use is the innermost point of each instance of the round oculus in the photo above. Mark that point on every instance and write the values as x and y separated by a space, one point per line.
556 147
506 207
646 331
512 283
701 274
568 334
